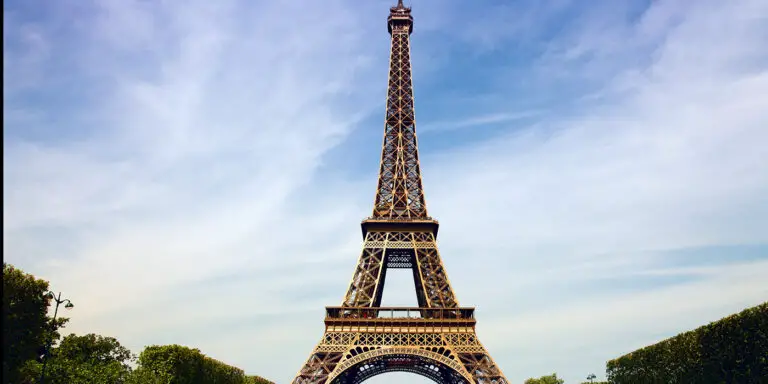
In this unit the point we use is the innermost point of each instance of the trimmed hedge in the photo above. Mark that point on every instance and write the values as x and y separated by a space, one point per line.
731 350
176 364
257 380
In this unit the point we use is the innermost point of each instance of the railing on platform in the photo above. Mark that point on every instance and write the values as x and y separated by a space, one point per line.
399 313
425 219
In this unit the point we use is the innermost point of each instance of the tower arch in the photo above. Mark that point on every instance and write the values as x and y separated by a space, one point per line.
431 365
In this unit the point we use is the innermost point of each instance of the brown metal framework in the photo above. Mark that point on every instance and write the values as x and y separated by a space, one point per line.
437 339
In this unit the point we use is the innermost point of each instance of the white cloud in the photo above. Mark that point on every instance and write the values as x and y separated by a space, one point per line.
195 211
495 118
213 120
672 159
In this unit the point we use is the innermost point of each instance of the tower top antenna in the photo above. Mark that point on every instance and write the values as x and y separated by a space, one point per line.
400 7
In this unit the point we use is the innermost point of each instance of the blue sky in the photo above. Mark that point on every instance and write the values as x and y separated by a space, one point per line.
195 173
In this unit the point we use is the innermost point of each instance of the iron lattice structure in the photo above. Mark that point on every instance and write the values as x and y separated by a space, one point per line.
362 339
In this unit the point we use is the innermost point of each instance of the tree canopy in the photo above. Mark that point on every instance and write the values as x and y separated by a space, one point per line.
27 328
551 379
88 359
28 333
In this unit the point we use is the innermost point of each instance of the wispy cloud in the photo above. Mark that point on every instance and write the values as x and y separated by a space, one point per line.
475 121
211 121
168 169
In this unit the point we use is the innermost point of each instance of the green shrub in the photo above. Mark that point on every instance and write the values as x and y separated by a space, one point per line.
731 350
176 364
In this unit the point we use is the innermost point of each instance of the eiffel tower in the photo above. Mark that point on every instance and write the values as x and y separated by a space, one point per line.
362 339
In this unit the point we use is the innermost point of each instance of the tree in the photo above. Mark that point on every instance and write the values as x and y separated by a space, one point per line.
89 359
182 365
253 379
26 324
143 375
551 379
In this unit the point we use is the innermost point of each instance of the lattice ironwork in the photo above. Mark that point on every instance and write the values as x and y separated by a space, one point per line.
483 368
400 193
460 356
436 340
416 250
433 365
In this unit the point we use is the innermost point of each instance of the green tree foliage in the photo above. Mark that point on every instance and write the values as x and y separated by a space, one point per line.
176 364
88 359
28 331
732 350
253 379
26 326
142 375
551 379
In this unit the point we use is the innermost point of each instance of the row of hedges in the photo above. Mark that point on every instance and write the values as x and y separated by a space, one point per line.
732 350
190 366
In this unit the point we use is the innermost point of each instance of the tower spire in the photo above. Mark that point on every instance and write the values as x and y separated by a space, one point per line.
400 194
